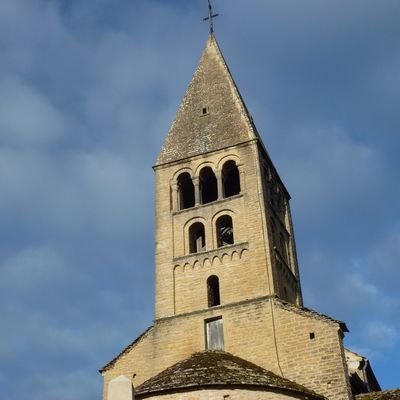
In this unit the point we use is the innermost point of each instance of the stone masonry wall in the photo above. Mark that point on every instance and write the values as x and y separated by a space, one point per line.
249 333
179 282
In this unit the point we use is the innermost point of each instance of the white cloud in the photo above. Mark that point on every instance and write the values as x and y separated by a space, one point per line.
33 267
384 259
337 169
27 117
380 335
358 286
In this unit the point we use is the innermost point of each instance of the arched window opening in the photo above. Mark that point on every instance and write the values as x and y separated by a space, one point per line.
208 185
213 295
185 191
224 228
230 179
197 238
283 246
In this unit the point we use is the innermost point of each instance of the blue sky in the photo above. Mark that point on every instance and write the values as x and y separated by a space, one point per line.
88 91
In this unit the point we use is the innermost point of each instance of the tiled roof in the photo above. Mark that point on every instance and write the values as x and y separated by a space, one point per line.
384 395
310 313
225 120
215 369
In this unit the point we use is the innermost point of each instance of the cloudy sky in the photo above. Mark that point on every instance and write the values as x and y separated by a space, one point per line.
88 90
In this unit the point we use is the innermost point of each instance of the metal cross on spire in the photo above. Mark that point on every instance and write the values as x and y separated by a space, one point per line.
210 17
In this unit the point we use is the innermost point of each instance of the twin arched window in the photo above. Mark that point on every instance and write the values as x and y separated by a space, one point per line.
208 185
224 232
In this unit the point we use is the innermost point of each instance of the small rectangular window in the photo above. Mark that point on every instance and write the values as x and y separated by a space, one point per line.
204 110
214 334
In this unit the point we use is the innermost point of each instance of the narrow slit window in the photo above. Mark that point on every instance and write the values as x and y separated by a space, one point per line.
204 110
213 294
224 229
197 238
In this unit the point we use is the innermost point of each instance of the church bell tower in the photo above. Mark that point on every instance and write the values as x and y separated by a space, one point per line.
229 316
224 232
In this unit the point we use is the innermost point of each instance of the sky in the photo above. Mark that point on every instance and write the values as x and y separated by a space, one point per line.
88 91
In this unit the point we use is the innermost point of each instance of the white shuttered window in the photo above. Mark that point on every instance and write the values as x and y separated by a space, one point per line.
214 335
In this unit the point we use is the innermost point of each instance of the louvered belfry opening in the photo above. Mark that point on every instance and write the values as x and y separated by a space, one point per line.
224 228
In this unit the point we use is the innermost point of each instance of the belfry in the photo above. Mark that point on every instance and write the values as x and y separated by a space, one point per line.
229 316
223 204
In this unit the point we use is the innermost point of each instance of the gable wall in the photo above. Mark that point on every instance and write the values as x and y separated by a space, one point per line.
249 334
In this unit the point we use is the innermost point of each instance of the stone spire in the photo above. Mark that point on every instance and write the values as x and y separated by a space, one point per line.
212 115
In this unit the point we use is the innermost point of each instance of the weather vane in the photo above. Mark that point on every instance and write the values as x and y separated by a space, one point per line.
210 17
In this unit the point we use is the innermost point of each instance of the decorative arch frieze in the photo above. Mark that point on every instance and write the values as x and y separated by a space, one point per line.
215 258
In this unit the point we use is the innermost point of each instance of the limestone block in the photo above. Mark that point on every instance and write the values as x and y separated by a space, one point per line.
121 388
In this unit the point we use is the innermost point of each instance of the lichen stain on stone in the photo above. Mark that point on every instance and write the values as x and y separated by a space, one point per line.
228 122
